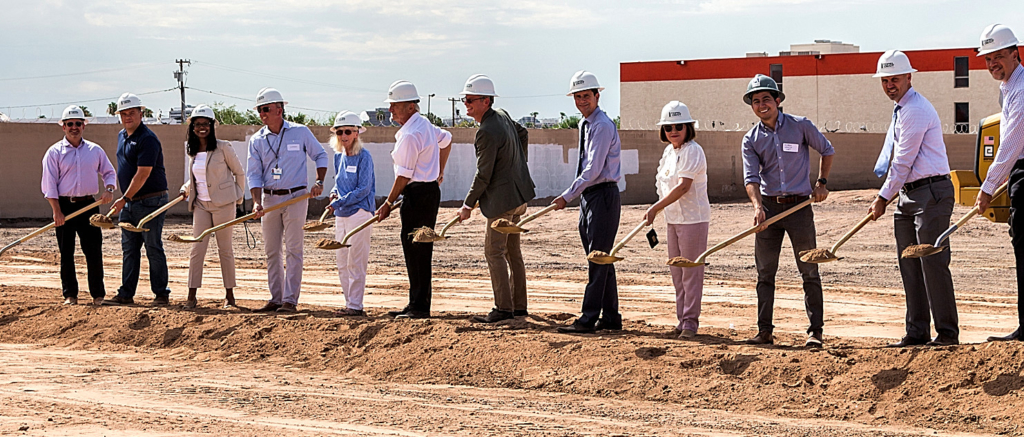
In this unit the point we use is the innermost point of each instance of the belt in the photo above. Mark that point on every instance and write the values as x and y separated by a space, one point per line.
593 188
78 199
283 192
420 184
786 199
910 186
147 196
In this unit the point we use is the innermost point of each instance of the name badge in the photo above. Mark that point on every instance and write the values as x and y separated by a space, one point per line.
294 147
350 169
790 147
277 172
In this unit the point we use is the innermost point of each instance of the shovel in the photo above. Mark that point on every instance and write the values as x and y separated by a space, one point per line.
329 244
599 257
507 227
103 221
427 235
196 239
818 256
139 228
923 250
51 225
683 262
317 225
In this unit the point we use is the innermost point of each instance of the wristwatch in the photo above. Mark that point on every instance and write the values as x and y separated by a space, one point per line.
823 181
110 189
319 183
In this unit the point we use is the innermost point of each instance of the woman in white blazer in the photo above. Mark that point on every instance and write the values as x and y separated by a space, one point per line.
213 188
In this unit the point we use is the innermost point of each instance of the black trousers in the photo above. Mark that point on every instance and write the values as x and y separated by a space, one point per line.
91 238
600 208
1017 234
767 249
419 208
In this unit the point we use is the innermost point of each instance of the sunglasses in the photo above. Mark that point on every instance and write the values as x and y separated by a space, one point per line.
681 127
201 124
341 132
73 124
468 100
264 109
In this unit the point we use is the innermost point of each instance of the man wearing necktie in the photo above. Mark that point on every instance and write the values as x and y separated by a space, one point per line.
597 179
914 155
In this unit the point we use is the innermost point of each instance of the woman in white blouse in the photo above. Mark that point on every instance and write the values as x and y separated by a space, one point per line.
682 184
213 188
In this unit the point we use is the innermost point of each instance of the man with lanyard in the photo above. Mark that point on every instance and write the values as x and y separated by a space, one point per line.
420 154
919 174
143 181
502 185
597 178
276 173
776 167
69 183
1002 58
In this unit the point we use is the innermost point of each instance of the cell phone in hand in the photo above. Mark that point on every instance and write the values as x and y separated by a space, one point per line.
652 238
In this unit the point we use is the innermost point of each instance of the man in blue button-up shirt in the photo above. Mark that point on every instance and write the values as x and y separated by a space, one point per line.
276 173
776 167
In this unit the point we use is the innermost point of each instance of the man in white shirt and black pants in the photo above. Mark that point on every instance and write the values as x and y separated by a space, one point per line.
919 174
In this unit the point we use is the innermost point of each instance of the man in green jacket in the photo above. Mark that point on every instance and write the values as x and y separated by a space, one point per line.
502 185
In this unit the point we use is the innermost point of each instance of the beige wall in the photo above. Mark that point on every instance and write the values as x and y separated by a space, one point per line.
552 161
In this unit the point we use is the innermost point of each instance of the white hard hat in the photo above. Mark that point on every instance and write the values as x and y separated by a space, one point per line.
675 112
269 95
402 91
202 111
128 101
348 118
583 80
996 37
478 85
893 63
72 112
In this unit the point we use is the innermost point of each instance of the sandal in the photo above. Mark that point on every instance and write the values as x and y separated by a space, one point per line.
190 304
349 312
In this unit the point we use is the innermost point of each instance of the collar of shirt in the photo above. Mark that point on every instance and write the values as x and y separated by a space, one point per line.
907 98
142 129
265 131
778 124
593 116
65 144
1015 80
410 124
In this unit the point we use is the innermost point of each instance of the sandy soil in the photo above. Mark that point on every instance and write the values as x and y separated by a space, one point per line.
421 377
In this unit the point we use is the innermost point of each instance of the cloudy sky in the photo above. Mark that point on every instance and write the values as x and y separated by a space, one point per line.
329 55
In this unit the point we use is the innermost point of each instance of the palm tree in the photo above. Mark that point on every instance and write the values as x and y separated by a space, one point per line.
112 108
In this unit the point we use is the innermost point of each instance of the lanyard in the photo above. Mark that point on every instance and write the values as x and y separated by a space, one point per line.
277 153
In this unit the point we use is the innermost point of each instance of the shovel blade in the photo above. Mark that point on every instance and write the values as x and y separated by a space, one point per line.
921 251
510 229
683 262
315 226
607 259
817 256
129 227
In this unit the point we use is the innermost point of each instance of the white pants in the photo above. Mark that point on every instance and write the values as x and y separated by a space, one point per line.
285 223
352 260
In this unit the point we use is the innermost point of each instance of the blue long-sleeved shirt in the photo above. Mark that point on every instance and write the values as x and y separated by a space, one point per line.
600 153
288 151
780 160
354 183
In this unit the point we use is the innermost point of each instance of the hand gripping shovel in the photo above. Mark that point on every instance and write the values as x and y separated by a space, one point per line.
198 238
103 221
507 227
599 257
329 244
683 262
139 228
923 250
318 225
427 235
817 256
51 225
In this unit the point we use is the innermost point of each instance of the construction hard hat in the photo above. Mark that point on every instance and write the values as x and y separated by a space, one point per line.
583 80
996 37
348 118
128 101
893 63
760 83
72 112
202 111
269 95
402 91
478 85
675 112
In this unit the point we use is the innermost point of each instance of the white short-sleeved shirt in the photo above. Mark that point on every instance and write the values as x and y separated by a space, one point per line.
418 147
686 162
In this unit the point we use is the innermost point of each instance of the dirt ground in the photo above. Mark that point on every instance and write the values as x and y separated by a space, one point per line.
166 371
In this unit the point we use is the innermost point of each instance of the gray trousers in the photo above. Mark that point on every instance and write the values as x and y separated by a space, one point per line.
503 254
285 225
767 245
920 217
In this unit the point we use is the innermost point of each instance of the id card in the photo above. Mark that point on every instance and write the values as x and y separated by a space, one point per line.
294 147
790 147
277 172
350 169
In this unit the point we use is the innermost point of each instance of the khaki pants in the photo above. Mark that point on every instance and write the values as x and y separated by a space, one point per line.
503 254
206 216
284 226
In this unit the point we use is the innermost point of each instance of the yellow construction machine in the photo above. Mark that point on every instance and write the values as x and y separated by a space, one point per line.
967 183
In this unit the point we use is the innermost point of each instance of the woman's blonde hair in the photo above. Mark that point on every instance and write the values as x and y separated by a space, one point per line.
357 145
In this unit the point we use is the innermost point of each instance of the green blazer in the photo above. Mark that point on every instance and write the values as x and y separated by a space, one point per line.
502 181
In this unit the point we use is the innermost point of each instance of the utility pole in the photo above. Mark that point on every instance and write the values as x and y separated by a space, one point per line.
453 100
180 76
429 96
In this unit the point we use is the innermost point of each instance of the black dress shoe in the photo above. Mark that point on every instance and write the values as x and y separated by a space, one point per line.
397 313
270 306
762 337
942 340
494 316
119 300
909 341
520 313
603 324
413 314
1016 335
576 328
161 301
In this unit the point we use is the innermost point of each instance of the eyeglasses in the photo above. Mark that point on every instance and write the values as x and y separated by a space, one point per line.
201 124
341 132
73 124
681 127
468 100
263 109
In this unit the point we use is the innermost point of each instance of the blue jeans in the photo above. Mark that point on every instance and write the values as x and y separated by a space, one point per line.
131 246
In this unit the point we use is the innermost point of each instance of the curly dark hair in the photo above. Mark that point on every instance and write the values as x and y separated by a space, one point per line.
193 141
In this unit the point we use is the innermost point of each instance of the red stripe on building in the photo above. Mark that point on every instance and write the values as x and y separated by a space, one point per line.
802 65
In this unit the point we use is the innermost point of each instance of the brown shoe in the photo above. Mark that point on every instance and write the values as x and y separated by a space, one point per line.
118 300
287 308
71 301
270 306
161 301
97 301
762 337
813 341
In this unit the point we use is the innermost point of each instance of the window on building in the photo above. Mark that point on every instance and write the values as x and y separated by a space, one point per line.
962 118
775 71
961 72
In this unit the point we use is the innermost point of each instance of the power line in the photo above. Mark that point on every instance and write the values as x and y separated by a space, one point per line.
246 99
89 101
105 70
274 76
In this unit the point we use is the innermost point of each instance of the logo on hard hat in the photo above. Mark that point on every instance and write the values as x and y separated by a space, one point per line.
469 85
674 114
125 102
988 41
577 82
887 64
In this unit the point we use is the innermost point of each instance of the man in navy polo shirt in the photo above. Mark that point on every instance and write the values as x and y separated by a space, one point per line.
142 179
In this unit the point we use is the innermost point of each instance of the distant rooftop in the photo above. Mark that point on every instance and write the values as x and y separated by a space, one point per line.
818 47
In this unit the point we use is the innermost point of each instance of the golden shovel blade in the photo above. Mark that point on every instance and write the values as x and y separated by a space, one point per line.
183 239
315 226
921 250
683 262
506 226
329 244
426 235
101 221
600 257
130 227
817 256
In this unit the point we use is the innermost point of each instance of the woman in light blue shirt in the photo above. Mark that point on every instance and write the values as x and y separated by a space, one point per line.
352 202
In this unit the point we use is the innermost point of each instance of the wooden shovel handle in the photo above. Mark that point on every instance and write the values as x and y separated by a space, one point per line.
251 216
364 225
974 211
324 215
863 222
159 211
533 216
454 220
752 230
36 232
629 236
